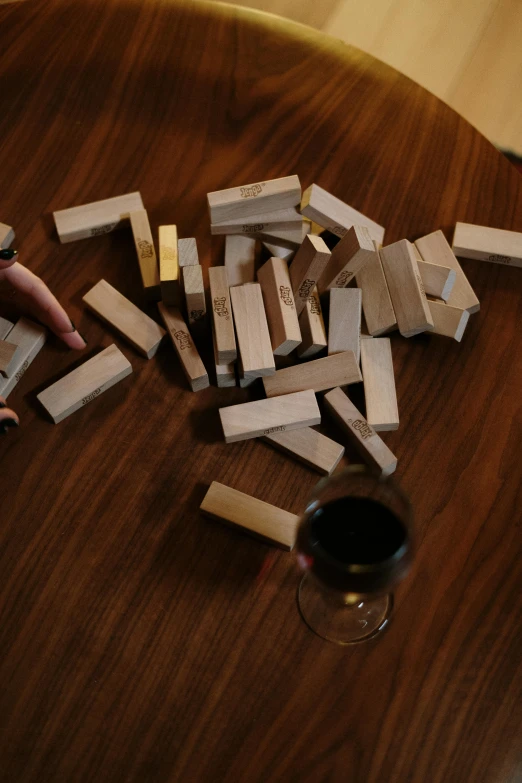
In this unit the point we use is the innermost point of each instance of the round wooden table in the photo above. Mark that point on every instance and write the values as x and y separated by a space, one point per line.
140 641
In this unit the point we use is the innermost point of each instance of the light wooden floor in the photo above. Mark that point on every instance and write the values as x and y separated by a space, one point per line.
467 52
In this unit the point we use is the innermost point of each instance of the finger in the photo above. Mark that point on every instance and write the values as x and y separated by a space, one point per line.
8 419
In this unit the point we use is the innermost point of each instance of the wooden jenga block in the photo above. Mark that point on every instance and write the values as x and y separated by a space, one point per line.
376 302
128 320
5 327
7 236
340 369
344 325
309 446
253 199
482 243
252 332
449 321
9 358
348 257
437 280
85 383
281 220
225 373
434 249
290 238
187 252
194 293
240 258
280 309
146 255
406 288
222 318
313 332
276 251
169 266
333 214
372 449
379 384
263 417
98 217
307 267
189 357
30 338
259 519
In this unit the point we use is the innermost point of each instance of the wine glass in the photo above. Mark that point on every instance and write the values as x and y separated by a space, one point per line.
354 545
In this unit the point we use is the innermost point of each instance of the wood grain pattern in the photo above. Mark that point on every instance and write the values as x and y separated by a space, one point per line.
146 253
331 213
169 265
448 321
340 369
183 343
253 337
376 302
7 235
344 321
347 259
406 289
8 358
5 327
96 218
262 417
264 223
307 267
281 312
222 318
240 259
139 641
379 384
30 338
313 332
483 243
434 249
253 198
311 447
437 280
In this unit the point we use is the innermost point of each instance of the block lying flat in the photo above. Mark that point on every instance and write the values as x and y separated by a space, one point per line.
85 383
5 327
169 266
283 324
240 257
376 302
340 369
254 198
30 338
146 255
333 214
482 243
188 252
344 325
309 446
189 357
7 236
437 280
264 417
307 267
449 321
348 257
9 355
222 318
406 290
254 516
253 337
280 220
372 449
194 293
290 238
128 320
434 249
313 332
382 412
98 217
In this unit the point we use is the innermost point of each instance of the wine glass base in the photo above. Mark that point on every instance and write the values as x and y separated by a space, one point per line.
340 619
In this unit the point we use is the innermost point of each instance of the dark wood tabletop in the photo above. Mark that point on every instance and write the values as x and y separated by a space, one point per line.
140 641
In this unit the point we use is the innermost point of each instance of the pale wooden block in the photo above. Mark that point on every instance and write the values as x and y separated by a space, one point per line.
5 327
313 332
194 293
128 320
30 339
333 214
85 383
188 252
437 280
482 243
348 257
281 220
280 307
254 198
382 412
98 217
449 321
307 267
222 318
252 332
276 251
188 355
376 301
260 519
344 324
309 446
406 288
340 369
7 236
225 373
240 258
372 449
9 358
169 266
264 417
435 249
290 238
146 255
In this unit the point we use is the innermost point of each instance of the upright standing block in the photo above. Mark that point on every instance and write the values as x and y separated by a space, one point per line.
344 325
320 374
194 293
280 306
309 446
307 267
240 258
280 220
449 321
488 244
146 255
255 198
7 236
263 417
313 332
222 318
252 332
169 266
85 383
131 322
372 449
376 302
260 519
98 217
30 338
333 214
379 384
348 257
5 327
187 252
406 288
189 357
9 356
437 280
225 373
434 249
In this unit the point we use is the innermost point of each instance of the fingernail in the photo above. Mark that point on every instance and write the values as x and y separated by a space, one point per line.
6 424
7 254
83 338
73 326
2 404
